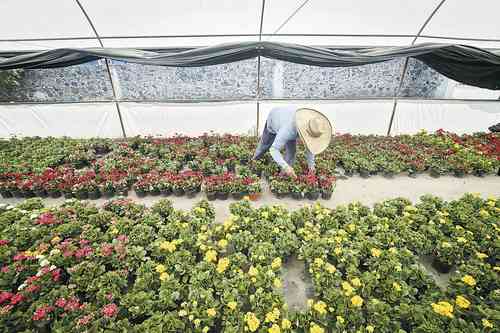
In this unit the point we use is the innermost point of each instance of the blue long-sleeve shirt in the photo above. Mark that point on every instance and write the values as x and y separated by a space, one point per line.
281 122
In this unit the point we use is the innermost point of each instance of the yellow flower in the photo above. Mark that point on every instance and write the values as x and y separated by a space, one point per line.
496 268
481 255
461 240
484 213
320 307
445 245
205 329
357 301
462 302
469 280
348 289
197 322
232 305
168 246
376 252
318 262
486 323
273 315
443 308
222 265
356 282
252 321
330 268
340 320
265 215
211 312
274 329
55 240
338 250
286 324
351 227
310 302
396 286
370 329
222 243
211 256
164 276
277 283
393 250
160 268
276 264
316 329
183 313
252 271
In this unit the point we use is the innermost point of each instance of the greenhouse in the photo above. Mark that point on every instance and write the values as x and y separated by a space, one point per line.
256 166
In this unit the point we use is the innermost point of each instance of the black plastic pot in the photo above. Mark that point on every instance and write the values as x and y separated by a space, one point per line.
123 192
364 173
41 193
434 173
17 193
191 193
479 173
140 193
6 194
178 192
459 173
28 194
297 195
211 196
326 195
155 192
82 195
389 174
94 195
68 195
413 174
55 194
349 173
108 193
166 192
238 195
440 266
312 195
222 195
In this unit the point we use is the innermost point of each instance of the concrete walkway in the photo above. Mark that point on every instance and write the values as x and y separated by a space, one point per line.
367 191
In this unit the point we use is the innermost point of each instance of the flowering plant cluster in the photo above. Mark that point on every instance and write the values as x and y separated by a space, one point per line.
125 267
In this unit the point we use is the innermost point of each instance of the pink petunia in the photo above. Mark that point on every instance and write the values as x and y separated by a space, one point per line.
110 310
5 296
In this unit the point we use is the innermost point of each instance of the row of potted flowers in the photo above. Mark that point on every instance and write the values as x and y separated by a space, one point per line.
125 267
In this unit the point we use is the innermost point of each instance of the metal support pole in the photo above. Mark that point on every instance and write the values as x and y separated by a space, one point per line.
108 67
257 93
395 101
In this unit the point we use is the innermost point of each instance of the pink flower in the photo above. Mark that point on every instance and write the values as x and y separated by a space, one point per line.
83 252
33 288
85 320
109 297
109 310
5 269
5 296
4 242
73 304
107 250
56 274
42 312
122 238
68 253
61 302
47 219
17 298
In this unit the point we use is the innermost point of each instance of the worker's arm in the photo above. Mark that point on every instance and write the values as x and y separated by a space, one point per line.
282 137
310 160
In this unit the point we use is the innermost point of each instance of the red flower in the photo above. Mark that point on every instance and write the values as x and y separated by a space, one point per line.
107 250
5 296
42 312
47 219
61 302
4 269
109 310
4 242
33 288
84 252
56 274
17 298
85 320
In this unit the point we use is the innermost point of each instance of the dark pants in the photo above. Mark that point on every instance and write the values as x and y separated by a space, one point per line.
267 140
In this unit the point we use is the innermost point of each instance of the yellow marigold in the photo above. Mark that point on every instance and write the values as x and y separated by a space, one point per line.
393 250
461 240
276 264
265 215
357 301
445 245
277 283
55 240
164 276
340 320
273 315
274 329
223 264
183 313
356 282
211 312
481 255
486 323
252 271
443 308
376 252
462 302
168 246
484 213
396 286
222 243
211 256
496 268
232 305
337 250
370 329
286 324
469 280
320 307
348 289
160 268
252 321
351 227
316 329
330 268
318 262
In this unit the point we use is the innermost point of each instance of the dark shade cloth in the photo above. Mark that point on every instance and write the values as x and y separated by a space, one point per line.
465 64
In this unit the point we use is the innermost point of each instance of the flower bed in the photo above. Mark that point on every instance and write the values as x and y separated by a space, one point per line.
126 267
91 168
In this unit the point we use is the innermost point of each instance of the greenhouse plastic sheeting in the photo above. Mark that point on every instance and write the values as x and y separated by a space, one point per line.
356 117
75 120
190 119
456 117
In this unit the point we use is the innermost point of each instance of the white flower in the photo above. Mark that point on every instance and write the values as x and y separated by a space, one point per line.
33 216
52 267
22 286
10 207
40 256
55 252
23 211
39 273
44 263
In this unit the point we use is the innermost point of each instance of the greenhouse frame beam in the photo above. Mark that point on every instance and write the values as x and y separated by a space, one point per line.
405 67
257 92
108 68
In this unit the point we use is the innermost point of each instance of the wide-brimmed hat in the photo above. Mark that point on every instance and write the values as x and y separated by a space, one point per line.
314 129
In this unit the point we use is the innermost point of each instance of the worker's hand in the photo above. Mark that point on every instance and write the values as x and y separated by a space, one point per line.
290 172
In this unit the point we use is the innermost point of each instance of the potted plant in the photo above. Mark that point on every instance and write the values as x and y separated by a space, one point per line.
327 185
310 185
107 189
191 182
280 186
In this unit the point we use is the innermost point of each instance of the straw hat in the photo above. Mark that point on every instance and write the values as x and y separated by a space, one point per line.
314 129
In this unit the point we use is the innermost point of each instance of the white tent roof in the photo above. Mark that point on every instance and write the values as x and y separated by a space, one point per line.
28 25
